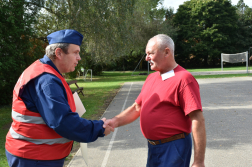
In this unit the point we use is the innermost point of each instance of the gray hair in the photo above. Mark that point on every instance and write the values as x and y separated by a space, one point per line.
164 41
50 49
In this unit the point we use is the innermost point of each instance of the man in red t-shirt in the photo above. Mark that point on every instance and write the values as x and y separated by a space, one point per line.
169 107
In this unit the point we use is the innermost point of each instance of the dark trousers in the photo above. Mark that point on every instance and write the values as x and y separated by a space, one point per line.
14 161
176 153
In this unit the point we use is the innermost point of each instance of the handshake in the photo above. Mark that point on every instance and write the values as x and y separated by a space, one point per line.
109 125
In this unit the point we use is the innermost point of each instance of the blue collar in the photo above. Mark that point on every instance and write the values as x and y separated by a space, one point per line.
48 61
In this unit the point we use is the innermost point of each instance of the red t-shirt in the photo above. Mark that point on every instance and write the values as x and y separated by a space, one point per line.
165 105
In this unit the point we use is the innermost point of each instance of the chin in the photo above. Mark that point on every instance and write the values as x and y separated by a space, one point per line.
153 68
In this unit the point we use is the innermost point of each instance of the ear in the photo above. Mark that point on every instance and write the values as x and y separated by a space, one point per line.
167 52
58 53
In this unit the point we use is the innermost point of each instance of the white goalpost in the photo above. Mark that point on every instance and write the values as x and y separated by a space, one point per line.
85 73
234 58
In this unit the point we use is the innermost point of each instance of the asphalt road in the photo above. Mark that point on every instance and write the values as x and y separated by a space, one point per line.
227 110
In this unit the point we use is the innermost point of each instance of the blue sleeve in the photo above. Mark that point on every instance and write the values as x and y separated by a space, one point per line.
51 102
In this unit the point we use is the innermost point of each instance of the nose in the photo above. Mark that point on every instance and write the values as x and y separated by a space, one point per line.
147 57
78 57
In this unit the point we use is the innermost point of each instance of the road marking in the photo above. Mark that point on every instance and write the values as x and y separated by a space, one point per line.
105 160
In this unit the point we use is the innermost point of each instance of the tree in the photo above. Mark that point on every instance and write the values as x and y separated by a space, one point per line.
111 28
207 28
244 33
16 43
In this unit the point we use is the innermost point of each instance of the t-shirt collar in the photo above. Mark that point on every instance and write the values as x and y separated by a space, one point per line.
168 74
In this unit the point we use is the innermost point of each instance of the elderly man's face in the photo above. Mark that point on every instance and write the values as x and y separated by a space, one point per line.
154 56
70 60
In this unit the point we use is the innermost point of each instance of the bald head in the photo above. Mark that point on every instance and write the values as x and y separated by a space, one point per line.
163 41
160 53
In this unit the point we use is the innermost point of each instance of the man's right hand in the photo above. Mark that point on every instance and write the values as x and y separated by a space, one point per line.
107 127
127 116
111 122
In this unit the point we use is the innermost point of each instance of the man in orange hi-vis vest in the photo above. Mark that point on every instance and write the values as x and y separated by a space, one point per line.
45 123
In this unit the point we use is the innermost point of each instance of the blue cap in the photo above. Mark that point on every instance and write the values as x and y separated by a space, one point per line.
65 36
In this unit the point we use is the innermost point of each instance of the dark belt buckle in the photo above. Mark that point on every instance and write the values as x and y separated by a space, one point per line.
152 142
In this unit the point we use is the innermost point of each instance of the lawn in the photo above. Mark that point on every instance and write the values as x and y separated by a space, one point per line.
5 119
218 69
98 94
102 89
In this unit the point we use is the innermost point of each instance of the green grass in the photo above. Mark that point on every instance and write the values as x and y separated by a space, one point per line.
97 94
5 120
220 76
218 69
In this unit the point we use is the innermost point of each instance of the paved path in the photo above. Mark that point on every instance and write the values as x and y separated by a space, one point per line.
227 110
126 146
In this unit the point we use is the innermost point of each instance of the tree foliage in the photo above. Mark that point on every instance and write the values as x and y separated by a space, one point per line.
17 47
111 28
207 28
244 33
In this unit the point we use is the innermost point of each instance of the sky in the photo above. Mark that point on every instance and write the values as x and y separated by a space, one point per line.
175 3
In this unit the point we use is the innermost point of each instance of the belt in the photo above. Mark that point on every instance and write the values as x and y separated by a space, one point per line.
175 137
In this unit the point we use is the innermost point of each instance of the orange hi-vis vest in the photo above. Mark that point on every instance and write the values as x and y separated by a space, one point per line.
29 137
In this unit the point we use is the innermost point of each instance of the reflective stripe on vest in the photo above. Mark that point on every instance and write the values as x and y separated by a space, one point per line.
38 141
27 119
34 120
